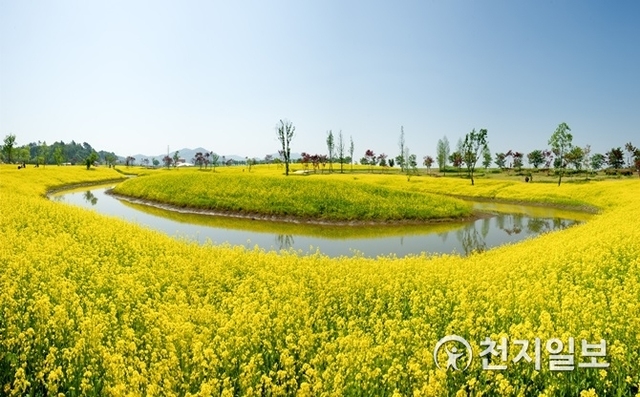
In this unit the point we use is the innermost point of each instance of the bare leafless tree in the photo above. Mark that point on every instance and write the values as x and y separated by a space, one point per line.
285 131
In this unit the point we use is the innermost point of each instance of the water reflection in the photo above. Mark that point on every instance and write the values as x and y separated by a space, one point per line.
486 224
443 236
537 225
498 225
512 224
284 241
90 198
476 237
471 240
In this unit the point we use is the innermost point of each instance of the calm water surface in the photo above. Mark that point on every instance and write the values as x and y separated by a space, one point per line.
504 223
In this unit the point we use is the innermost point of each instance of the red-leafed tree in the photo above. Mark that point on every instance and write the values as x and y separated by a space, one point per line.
371 159
428 162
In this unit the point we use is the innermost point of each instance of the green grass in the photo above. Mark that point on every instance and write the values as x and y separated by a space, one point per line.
317 197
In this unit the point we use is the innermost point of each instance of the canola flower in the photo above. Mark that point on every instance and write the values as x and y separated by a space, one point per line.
92 305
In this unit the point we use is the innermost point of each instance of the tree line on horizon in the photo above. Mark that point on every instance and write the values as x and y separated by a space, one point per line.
561 155
58 153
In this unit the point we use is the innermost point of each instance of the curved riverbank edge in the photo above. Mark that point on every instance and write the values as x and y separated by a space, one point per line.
578 208
292 219
298 220
71 186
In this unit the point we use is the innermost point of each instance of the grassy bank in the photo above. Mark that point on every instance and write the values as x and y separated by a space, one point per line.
306 198
586 195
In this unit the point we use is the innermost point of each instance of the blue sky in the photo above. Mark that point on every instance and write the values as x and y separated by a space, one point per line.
138 76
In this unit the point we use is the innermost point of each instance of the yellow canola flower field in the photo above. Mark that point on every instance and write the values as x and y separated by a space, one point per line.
92 305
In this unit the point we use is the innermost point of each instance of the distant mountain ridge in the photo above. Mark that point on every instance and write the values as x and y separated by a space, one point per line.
189 154
185 153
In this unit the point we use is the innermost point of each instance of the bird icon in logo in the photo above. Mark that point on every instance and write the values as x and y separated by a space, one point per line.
453 354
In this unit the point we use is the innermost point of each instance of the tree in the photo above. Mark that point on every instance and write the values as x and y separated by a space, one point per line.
22 154
176 157
341 151
575 157
548 158
615 158
314 159
391 163
351 148
268 159
401 158
442 153
486 157
517 159
167 160
456 160
330 147
382 160
586 158
322 159
285 131
411 163
636 160
250 162
43 150
370 158
630 152
7 148
110 160
535 158
305 159
199 159
58 156
428 162
560 143
473 143
92 158
501 161
155 162
129 161
597 161
214 160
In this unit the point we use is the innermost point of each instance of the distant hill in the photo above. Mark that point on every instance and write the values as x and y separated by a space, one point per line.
185 153
76 153
189 154
61 152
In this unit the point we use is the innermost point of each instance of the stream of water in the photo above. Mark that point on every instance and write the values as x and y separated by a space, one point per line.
499 224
